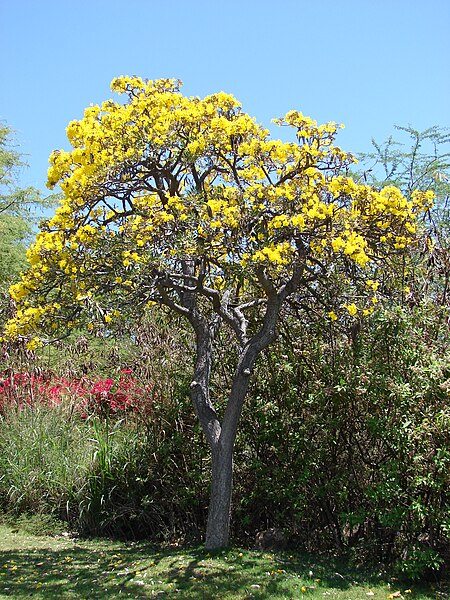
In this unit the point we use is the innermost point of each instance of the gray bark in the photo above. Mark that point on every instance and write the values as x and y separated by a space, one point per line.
219 510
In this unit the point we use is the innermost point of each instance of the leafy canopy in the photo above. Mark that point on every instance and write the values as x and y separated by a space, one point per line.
167 195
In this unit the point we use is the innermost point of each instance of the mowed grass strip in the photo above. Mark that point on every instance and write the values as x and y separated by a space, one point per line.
62 567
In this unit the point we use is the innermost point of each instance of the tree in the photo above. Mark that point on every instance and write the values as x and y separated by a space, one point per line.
14 229
17 210
188 203
423 163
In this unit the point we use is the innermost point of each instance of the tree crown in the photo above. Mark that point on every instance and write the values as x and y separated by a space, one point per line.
168 196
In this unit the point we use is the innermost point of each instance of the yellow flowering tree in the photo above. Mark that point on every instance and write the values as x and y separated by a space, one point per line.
189 203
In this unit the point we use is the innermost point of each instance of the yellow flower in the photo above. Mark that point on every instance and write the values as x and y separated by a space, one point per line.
272 206
351 308
34 344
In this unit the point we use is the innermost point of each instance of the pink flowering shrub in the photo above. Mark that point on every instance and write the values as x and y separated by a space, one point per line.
102 397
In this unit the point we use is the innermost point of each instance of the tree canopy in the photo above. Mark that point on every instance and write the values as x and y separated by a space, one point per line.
165 179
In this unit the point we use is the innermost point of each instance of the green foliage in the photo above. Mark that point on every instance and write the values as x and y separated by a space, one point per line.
422 164
104 477
420 560
34 523
345 445
15 229
110 476
15 200
348 441
13 233
20 209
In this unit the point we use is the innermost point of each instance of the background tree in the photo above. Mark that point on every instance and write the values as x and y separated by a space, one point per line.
422 161
20 209
422 164
14 204
188 203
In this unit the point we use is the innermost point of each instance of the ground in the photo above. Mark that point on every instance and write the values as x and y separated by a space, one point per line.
61 566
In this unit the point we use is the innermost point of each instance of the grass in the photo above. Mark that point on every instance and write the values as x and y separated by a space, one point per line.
48 567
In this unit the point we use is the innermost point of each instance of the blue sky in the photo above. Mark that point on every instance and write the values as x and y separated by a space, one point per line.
367 64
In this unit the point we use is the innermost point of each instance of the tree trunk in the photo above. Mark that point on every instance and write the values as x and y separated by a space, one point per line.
219 511
221 437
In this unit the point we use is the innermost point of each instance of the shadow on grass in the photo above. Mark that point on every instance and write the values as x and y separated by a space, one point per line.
98 569
265 576
73 572
141 571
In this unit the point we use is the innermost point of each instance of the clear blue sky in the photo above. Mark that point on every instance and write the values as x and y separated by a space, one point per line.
369 64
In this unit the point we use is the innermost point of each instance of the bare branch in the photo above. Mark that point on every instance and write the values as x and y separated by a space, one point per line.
167 300
265 282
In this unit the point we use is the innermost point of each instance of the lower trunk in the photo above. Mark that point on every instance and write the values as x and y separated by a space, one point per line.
221 438
218 528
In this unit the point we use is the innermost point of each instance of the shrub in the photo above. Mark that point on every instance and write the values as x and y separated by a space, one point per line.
347 442
103 455
345 445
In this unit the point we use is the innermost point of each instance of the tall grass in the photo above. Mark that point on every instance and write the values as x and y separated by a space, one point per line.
45 454
127 475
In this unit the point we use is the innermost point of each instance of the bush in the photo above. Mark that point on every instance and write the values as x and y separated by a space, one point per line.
346 442
103 455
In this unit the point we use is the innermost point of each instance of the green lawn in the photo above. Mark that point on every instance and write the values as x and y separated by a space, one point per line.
61 567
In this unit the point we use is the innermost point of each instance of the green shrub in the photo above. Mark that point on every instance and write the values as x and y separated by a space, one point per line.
346 442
